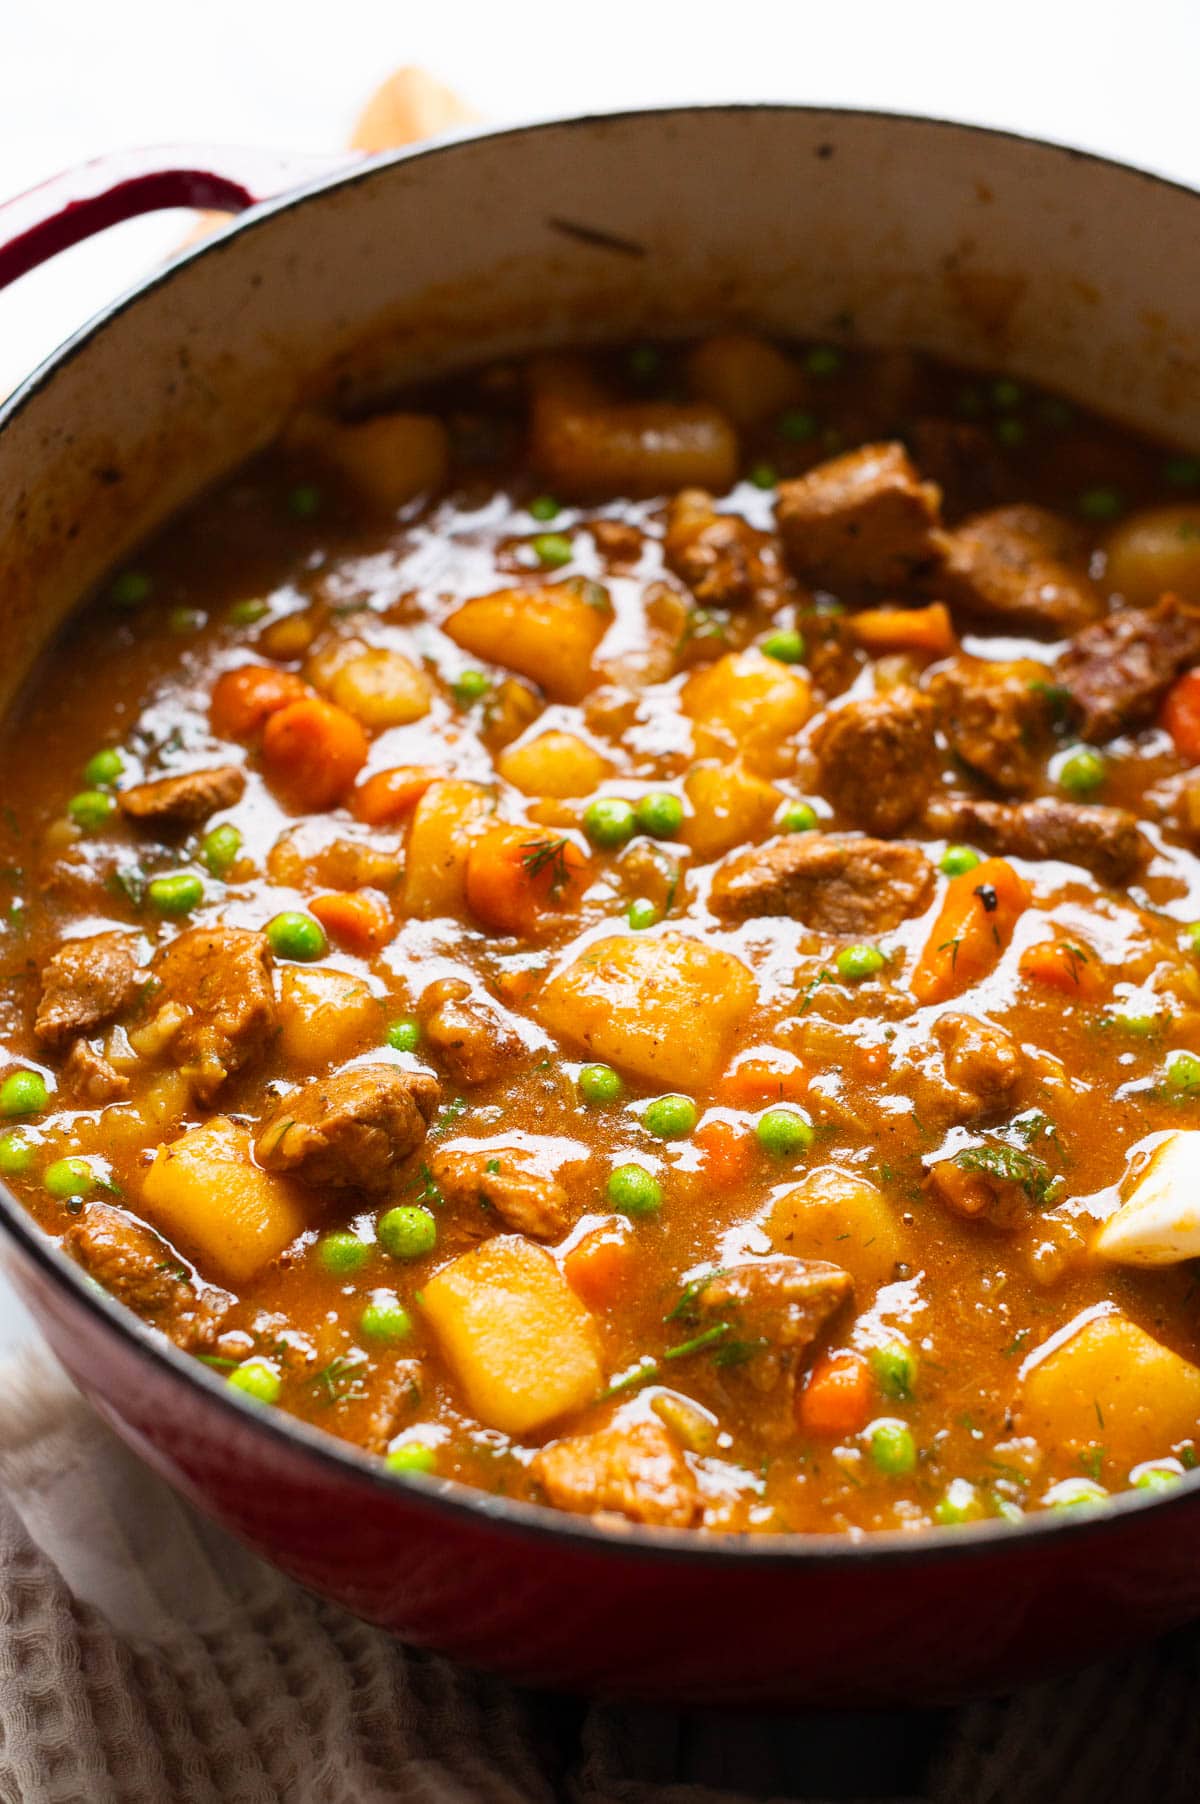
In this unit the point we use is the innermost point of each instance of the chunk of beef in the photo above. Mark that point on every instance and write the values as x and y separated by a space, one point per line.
779 1301
175 802
1118 670
90 1078
724 561
317 853
469 1032
1104 841
998 1195
222 977
996 719
636 1472
865 520
351 1131
963 460
619 542
833 884
497 1180
85 984
980 1059
143 1272
1022 568
878 758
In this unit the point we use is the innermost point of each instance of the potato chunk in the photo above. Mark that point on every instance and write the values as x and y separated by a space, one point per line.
1159 1221
592 452
744 375
381 689
444 825
548 634
553 764
747 702
1111 1385
839 1216
205 1193
1155 552
729 807
325 1017
515 1335
664 1009
388 460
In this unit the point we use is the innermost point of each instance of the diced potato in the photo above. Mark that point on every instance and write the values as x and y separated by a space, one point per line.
1159 1221
1155 552
839 1216
639 448
325 1017
548 634
512 706
748 702
1111 1385
728 807
515 1335
666 1009
747 377
445 823
553 764
381 688
388 460
206 1194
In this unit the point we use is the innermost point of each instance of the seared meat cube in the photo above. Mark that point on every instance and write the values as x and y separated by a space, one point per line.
963 460
90 1078
996 719
981 1059
495 1180
85 984
142 1271
318 852
222 976
468 1031
619 542
1022 568
185 801
878 758
1119 669
997 1185
351 1131
636 1472
833 884
779 1301
724 561
862 520
1105 841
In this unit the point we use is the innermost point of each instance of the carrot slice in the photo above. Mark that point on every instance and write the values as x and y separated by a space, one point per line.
1181 716
762 1076
600 1266
390 795
1064 965
975 924
312 751
243 699
838 1398
727 1153
360 919
515 874
927 630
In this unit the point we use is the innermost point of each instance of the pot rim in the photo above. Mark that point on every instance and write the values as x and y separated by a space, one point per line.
450 1497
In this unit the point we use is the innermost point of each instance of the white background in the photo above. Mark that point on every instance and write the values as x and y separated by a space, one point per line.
77 78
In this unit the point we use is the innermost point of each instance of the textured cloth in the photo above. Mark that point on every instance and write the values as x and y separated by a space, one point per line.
145 1658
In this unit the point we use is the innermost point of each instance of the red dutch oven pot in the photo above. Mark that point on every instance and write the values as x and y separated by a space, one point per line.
981 246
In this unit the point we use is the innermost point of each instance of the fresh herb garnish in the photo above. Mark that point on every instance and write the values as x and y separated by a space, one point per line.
539 855
1009 1165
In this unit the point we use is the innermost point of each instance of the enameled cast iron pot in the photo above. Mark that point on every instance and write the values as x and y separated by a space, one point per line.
985 247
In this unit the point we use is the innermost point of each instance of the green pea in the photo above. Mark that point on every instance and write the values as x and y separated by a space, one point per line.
895 1370
1101 504
185 620
1007 394
763 476
385 1318
784 1132
176 894
553 549
297 936
785 646
471 687
404 1035
342 1253
797 425
970 401
249 612
69 1177
644 361
256 1379
796 817
956 860
659 814
599 1084
1189 937
856 962
1054 411
543 507
823 360
892 1446
670 1117
1182 1073
642 913
23 1093
130 588
17 1153
960 1502
103 768
304 501
1136 1022
407 1231
1075 1494
411 1456
1156 1478
608 821
1182 472
632 1190
1082 772
1010 432
220 849
90 809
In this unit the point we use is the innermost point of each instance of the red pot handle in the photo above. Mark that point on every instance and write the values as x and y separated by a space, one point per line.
88 199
